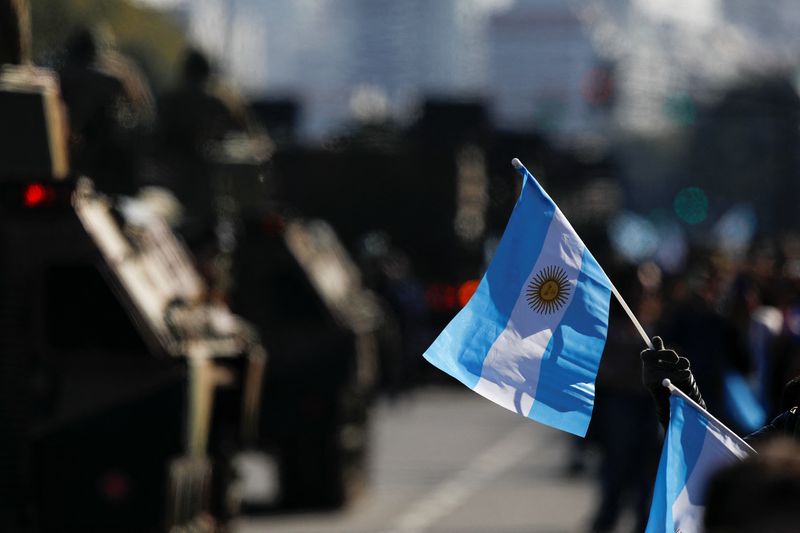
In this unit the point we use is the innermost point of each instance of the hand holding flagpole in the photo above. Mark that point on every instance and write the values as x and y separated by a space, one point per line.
678 392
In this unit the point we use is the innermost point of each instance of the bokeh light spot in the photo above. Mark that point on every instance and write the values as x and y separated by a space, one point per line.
691 205
466 290
633 236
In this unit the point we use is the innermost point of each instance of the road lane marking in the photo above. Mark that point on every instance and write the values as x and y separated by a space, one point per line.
452 493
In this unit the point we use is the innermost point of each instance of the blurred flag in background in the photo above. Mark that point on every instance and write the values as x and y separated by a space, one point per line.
741 404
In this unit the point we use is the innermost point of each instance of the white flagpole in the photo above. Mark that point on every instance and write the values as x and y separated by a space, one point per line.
676 391
518 164
633 318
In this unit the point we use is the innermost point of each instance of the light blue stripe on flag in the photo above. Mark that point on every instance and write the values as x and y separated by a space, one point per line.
566 382
694 448
531 337
741 404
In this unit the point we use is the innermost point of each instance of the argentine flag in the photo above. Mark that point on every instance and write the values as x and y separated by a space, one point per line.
694 448
531 337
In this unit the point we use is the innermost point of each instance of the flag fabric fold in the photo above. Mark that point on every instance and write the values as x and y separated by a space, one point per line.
531 336
694 448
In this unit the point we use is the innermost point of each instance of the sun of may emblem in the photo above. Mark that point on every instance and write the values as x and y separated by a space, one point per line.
548 290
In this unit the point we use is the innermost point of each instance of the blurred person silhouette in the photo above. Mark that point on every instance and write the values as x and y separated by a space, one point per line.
109 107
141 108
15 32
703 335
622 424
195 118
388 271
758 494
785 354
753 303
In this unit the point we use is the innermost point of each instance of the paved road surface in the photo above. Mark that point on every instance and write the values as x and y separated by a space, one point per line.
447 460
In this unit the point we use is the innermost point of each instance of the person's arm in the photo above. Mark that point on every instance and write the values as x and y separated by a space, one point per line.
659 364
787 423
783 424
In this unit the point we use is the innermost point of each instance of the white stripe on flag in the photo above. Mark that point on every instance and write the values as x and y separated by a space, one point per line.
510 373
717 450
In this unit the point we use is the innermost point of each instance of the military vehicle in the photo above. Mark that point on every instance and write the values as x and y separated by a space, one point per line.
293 279
124 391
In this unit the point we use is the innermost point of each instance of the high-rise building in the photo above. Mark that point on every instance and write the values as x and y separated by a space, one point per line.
540 60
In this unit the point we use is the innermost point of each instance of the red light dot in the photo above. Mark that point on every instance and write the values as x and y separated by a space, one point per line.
432 296
466 291
450 297
114 486
34 195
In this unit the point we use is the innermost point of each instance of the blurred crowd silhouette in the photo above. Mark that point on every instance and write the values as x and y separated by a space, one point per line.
729 317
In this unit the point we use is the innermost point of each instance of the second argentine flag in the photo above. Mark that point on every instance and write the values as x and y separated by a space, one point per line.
531 337
695 447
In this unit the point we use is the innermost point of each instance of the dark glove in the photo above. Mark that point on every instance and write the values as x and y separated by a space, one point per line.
660 364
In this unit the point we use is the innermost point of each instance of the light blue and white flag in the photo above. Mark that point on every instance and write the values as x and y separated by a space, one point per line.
531 337
694 448
741 404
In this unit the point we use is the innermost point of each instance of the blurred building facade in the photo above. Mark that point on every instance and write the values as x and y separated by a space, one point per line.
540 67
669 53
531 59
527 58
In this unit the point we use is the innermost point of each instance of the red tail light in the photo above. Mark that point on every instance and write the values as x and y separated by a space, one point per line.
36 195
442 297
273 225
466 290
114 486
